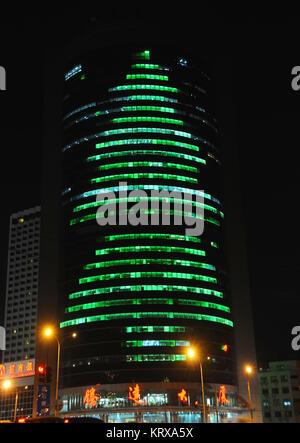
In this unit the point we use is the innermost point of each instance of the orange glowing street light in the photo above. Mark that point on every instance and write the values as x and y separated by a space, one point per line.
49 332
7 385
191 353
249 371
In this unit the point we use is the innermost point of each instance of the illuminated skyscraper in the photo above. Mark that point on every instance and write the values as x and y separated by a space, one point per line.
143 118
141 294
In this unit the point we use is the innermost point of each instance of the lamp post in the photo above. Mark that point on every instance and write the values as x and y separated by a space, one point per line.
7 385
249 370
192 354
48 332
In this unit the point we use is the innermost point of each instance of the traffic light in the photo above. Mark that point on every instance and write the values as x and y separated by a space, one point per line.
41 372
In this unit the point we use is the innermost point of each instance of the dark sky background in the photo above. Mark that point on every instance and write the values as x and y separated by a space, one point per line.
264 49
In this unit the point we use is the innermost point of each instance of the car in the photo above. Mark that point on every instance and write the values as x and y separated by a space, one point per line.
85 419
47 419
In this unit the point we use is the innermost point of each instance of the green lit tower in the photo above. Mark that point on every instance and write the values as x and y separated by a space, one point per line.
139 121
141 294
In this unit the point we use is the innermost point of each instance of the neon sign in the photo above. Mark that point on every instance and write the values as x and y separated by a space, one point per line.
134 394
182 395
23 368
90 398
222 395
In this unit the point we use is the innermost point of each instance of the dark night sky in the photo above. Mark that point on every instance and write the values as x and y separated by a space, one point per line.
265 51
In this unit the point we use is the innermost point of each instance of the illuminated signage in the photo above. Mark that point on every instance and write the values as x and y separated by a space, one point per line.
222 395
91 398
24 368
182 395
134 394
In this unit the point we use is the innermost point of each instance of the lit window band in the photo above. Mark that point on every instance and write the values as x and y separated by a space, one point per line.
148 87
147 301
148 199
155 357
159 98
146 77
145 187
154 342
176 237
125 275
146 152
147 164
152 248
139 288
112 213
143 175
170 121
139 315
143 141
151 329
148 261
148 66
147 130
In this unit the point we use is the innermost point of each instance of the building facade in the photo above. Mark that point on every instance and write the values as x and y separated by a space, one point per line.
138 289
280 392
18 358
22 285
139 120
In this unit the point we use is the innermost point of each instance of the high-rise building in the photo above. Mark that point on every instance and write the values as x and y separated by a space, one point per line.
139 119
18 360
22 285
140 293
279 391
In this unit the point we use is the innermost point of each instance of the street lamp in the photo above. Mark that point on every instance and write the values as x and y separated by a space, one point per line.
49 332
7 385
192 354
249 370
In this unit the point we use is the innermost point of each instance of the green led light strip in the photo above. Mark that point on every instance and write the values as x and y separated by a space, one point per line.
139 288
148 66
148 87
142 329
155 357
145 55
142 141
171 121
147 301
142 175
141 315
150 236
151 108
148 261
125 275
146 152
146 77
113 213
126 188
151 97
147 130
153 342
152 248
147 164
148 199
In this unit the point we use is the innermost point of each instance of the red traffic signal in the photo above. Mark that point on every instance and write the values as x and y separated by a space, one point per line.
41 370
